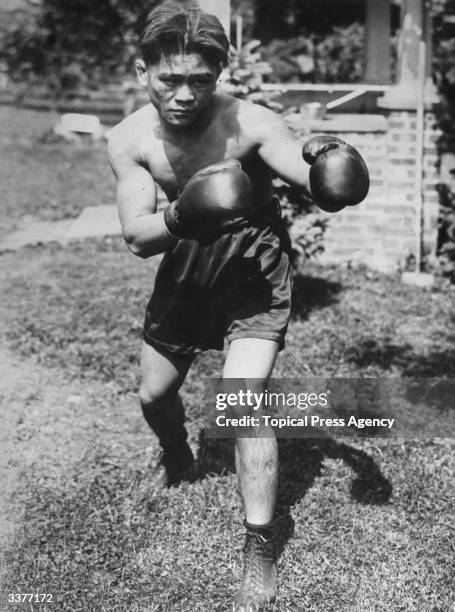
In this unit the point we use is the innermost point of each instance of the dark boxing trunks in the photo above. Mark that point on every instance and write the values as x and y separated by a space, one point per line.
237 287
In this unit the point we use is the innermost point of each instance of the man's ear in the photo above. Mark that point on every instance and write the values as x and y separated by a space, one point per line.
141 72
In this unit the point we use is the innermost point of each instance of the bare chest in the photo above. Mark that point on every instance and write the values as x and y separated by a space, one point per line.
172 162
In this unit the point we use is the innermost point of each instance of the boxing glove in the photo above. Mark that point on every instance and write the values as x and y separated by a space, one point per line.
215 200
338 175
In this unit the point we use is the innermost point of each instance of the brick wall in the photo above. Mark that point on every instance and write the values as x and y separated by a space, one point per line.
381 231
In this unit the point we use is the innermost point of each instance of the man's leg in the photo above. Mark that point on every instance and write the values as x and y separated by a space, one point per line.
257 473
256 458
162 374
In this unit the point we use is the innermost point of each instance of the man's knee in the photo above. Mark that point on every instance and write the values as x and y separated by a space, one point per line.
161 376
152 395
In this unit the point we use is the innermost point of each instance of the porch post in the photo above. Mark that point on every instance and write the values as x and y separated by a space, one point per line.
415 27
377 30
219 8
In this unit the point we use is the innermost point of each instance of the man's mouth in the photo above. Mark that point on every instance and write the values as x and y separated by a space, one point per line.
182 112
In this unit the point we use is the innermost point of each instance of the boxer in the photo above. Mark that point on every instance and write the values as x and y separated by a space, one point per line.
226 273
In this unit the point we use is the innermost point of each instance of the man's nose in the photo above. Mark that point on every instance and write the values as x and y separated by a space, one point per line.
184 94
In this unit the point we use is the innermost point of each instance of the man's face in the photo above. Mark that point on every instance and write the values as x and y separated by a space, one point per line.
180 87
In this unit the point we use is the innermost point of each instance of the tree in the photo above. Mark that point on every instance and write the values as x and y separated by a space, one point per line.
74 43
290 18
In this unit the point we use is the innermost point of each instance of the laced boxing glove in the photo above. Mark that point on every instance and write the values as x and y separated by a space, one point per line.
338 175
215 200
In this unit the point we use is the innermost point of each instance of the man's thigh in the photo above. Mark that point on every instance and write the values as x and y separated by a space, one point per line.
250 358
162 372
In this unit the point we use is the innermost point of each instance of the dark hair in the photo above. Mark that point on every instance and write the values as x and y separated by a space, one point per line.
181 27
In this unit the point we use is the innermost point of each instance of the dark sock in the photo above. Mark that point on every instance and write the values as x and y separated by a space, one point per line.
169 428
265 530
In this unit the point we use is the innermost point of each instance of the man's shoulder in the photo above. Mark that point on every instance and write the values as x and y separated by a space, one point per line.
243 108
128 134
255 119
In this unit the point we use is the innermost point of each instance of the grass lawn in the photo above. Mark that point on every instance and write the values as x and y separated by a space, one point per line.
47 181
366 524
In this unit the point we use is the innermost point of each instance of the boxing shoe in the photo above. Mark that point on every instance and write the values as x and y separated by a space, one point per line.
259 577
175 464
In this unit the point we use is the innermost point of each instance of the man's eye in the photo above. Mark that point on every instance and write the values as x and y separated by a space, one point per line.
170 80
201 82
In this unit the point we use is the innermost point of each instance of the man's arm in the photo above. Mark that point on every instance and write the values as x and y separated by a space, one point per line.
332 172
143 228
279 148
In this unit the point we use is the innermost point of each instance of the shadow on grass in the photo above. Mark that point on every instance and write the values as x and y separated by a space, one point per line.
426 377
311 292
371 351
301 462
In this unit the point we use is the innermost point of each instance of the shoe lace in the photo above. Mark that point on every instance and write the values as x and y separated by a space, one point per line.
257 550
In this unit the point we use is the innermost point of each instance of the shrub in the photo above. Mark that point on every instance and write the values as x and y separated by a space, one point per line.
335 57
444 69
444 76
446 234
72 44
245 75
304 221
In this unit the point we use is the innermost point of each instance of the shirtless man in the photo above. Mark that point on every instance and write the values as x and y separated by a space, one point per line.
225 278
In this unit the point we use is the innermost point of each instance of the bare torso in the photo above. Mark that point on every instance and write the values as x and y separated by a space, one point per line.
171 157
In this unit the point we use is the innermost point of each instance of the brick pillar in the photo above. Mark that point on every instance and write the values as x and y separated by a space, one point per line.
381 231
400 105
358 233
402 177
400 186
